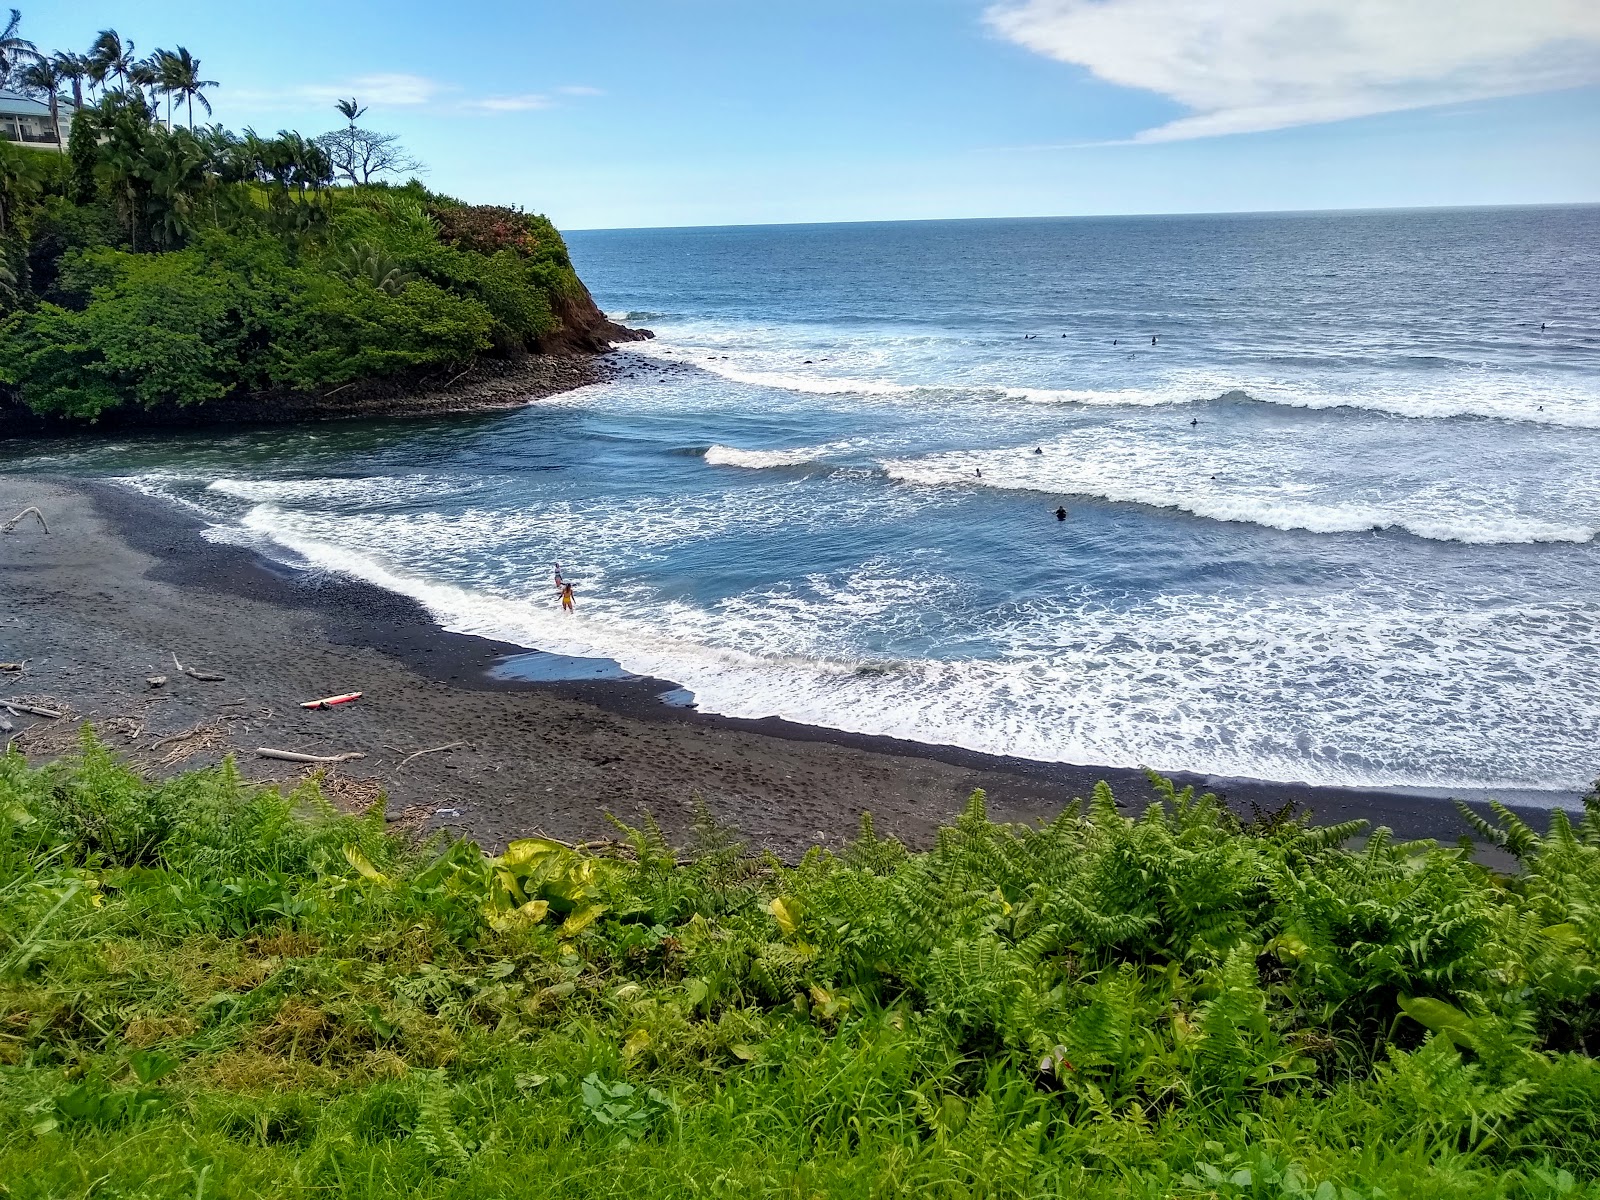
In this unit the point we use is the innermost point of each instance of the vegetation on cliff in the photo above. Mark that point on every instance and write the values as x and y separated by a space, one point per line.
210 989
154 264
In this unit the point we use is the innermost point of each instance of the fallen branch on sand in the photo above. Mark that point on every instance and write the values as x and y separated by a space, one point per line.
420 753
292 756
12 524
17 706
18 666
196 673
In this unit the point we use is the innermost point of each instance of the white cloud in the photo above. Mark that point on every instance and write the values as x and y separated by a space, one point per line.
384 90
526 102
388 91
1244 66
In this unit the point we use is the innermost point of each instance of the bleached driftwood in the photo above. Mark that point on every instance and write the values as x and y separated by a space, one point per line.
12 524
293 756
196 673
17 706
420 753
16 666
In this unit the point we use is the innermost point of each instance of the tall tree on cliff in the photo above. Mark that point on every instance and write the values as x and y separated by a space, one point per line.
45 76
112 57
181 78
74 67
15 51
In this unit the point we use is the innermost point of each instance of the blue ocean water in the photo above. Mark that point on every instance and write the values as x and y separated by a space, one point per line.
1332 483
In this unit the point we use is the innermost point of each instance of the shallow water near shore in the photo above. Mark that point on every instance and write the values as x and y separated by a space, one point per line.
1335 524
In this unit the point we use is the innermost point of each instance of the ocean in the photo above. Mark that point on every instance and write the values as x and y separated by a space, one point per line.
1331 482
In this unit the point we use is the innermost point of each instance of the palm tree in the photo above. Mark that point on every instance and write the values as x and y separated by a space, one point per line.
14 50
76 68
162 65
146 73
350 110
46 76
183 80
112 56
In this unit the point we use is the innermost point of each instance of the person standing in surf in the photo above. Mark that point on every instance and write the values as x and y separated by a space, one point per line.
564 590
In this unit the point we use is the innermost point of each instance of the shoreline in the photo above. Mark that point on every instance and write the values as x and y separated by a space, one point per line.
123 577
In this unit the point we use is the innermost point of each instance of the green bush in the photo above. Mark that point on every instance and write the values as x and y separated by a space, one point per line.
164 268
212 987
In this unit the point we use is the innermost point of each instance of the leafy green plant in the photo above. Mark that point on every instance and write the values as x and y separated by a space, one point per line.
621 1107
272 994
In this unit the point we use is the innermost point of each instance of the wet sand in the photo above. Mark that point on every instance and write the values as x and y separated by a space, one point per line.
122 583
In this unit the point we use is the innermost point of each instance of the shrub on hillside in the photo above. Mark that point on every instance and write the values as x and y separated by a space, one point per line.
201 974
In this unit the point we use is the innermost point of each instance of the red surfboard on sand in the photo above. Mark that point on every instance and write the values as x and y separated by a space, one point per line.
330 701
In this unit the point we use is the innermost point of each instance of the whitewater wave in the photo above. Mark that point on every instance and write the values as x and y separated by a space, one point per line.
754 460
1165 684
1151 475
1529 400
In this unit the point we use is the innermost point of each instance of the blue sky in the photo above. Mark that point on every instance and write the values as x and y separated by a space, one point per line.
707 112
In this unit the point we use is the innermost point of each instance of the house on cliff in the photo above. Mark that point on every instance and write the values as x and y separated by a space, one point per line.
24 119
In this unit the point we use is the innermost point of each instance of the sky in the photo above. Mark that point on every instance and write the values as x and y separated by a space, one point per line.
642 113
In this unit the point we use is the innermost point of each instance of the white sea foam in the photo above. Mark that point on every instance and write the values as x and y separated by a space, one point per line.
1530 397
1428 694
1282 484
732 456
380 490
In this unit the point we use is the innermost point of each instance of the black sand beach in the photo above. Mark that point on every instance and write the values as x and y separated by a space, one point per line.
122 584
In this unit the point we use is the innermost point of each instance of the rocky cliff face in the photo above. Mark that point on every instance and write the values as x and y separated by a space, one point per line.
584 328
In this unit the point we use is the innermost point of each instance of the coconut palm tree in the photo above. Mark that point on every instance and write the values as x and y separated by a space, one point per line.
146 73
14 51
46 76
182 79
161 65
112 56
350 110
76 68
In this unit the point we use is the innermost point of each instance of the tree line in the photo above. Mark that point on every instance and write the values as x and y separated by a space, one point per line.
160 262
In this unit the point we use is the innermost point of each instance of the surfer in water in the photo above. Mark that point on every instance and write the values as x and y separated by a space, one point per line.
1061 513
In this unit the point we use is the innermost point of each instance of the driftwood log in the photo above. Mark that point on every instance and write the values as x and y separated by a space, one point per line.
12 524
17 706
196 673
296 757
420 753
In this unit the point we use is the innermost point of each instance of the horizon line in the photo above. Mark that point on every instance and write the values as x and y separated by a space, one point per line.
1220 212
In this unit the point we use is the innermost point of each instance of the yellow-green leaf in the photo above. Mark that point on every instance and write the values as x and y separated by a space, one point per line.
638 1042
582 918
524 853
1435 1015
786 913
534 911
358 860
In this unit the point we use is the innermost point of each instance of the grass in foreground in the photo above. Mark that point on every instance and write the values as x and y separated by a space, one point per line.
208 989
